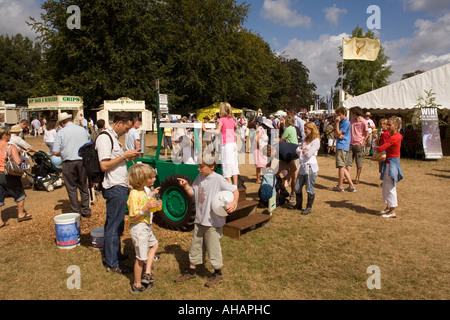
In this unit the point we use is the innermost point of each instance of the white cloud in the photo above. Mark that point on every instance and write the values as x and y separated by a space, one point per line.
280 11
434 6
429 48
14 15
320 57
333 14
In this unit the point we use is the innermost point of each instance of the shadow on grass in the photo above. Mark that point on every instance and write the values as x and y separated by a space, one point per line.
9 213
357 208
63 205
335 180
182 258
438 175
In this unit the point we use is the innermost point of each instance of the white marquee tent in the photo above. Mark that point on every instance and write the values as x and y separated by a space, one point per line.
404 95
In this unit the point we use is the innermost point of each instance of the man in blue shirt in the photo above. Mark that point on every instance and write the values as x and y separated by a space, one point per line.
67 142
342 148
300 127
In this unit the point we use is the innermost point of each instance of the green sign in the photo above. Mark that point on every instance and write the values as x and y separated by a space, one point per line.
272 203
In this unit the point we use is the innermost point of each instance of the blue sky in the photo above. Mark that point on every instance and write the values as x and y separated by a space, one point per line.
414 33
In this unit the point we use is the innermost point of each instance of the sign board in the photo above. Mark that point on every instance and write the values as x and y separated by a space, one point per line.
272 203
431 137
163 99
163 103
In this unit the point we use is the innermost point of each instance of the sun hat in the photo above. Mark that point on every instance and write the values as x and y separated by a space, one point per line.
15 129
268 123
63 116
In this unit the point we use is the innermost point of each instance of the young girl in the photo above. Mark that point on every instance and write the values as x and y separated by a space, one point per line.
309 167
50 135
391 172
383 137
141 208
226 127
208 227
258 148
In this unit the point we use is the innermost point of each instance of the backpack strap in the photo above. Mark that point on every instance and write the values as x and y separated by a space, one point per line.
110 138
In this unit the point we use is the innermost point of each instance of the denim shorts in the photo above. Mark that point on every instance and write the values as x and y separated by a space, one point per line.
13 186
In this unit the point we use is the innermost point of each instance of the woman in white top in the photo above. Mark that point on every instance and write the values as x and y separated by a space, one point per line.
309 167
49 135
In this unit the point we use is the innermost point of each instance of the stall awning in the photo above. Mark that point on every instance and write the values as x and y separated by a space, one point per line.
404 95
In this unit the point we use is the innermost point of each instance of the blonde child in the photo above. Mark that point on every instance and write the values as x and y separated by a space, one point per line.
139 204
208 227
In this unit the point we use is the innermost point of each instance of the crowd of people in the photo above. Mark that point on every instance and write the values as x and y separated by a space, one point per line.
296 141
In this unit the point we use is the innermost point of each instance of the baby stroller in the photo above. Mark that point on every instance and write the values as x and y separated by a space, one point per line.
43 174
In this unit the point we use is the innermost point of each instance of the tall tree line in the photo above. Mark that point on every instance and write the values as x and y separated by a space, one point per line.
198 49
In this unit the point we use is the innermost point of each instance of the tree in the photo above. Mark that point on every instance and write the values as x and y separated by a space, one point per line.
360 76
198 49
301 90
412 74
111 56
20 58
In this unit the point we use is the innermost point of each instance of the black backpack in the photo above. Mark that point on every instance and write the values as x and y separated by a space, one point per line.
90 160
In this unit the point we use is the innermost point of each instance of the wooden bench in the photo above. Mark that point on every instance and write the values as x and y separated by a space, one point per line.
235 228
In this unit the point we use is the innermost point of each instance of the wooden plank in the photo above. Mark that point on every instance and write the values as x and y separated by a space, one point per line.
249 221
234 229
242 194
243 209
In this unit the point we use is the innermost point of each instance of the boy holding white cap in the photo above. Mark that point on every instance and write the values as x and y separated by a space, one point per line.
208 227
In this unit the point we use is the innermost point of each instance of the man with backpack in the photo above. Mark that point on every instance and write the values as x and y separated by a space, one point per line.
68 141
113 162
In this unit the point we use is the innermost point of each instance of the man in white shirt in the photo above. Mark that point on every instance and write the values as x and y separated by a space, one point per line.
113 162
36 124
20 144
132 139
300 126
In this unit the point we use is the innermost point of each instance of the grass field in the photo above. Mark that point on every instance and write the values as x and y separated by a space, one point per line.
323 256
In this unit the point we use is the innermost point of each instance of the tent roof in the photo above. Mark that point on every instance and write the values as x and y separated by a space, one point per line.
212 110
404 94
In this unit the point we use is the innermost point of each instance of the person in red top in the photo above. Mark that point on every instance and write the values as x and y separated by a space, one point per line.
383 137
391 172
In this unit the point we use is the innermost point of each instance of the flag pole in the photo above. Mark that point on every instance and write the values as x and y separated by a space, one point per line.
341 92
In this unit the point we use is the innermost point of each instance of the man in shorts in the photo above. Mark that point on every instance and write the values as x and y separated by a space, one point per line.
359 134
343 136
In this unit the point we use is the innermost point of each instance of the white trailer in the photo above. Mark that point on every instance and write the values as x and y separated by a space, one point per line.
9 114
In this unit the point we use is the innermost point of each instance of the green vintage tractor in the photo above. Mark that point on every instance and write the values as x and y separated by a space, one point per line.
178 208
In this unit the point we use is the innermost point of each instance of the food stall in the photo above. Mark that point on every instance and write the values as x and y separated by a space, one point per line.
135 108
50 107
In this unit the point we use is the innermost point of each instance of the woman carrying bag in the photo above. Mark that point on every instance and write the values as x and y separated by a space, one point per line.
10 182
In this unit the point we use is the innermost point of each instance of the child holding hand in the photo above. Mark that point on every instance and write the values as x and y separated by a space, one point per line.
140 208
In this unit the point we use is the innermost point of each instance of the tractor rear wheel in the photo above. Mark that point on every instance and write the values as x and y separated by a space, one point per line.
178 208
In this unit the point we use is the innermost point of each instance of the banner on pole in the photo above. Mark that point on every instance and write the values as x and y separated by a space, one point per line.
361 49
431 137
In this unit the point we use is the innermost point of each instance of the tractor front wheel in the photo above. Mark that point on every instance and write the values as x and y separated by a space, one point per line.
178 208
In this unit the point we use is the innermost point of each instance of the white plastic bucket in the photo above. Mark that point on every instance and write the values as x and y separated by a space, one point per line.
97 237
67 227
